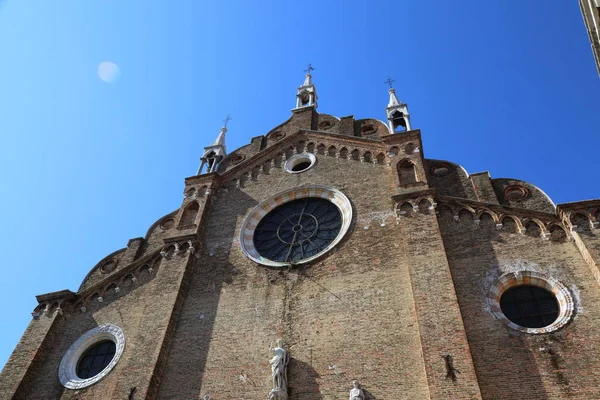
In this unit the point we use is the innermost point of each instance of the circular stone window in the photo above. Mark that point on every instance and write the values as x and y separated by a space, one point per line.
108 266
440 170
531 302
167 223
296 226
325 125
91 357
277 135
368 129
300 163
236 159
515 192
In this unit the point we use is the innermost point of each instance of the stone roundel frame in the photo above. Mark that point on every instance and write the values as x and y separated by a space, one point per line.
67 371
563 296
318 191
297 159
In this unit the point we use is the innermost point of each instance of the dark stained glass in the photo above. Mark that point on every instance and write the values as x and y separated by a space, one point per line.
529 306
301 166
297 230
95 359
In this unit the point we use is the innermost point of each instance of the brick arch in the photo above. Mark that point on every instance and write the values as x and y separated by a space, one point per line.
489 212
532 225
580 220
465 213
557 233
343 152
518 225
405 207
367 157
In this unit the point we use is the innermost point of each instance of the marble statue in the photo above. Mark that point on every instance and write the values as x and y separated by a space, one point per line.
356 393
279 364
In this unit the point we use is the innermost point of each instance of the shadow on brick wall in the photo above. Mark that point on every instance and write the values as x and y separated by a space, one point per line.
303 380
193 338
503 358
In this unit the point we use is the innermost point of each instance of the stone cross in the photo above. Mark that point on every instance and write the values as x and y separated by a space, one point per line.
226 120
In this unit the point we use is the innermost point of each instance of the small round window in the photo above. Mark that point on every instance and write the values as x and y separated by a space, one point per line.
91 357
531 302
300 163
515 192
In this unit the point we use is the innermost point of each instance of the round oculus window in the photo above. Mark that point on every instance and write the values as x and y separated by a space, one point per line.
296 226
91 357
95 359
108 266
297 230
531 302
529 306
300 163
515 192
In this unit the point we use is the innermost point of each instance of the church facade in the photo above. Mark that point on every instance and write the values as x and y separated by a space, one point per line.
330 259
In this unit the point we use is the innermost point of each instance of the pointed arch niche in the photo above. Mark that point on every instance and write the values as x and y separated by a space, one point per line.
407 173
189 214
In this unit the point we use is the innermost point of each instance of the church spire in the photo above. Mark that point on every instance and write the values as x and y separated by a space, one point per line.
214 153
396 111
307 93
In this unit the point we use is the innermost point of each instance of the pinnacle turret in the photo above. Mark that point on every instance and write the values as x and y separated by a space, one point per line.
214 153
396 111
307 93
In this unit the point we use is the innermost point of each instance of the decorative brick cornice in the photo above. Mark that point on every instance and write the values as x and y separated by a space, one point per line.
402 137
405 204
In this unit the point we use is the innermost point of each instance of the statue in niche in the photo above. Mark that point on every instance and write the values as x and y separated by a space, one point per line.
279 364
356 393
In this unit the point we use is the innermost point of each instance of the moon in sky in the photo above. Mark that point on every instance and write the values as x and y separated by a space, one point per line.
109 72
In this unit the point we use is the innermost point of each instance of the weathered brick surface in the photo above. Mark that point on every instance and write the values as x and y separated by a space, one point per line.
406 287
456 183
324 311
510 364
535 200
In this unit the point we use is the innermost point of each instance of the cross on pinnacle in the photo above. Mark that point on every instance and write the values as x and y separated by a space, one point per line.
389 81
310 68
226 120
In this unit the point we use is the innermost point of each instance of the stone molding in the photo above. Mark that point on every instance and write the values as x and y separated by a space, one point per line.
512 279
67 371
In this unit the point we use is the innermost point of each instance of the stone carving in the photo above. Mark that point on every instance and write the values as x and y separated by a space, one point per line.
356 393
279 364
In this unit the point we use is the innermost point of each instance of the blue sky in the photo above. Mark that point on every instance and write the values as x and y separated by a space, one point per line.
508 86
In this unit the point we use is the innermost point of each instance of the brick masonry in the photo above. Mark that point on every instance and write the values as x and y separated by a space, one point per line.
400 304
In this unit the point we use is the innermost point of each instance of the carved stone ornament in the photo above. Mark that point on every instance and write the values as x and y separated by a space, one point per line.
279 364
67 371
356 393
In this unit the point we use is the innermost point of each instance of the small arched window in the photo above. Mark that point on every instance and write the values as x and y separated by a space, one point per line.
407 173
